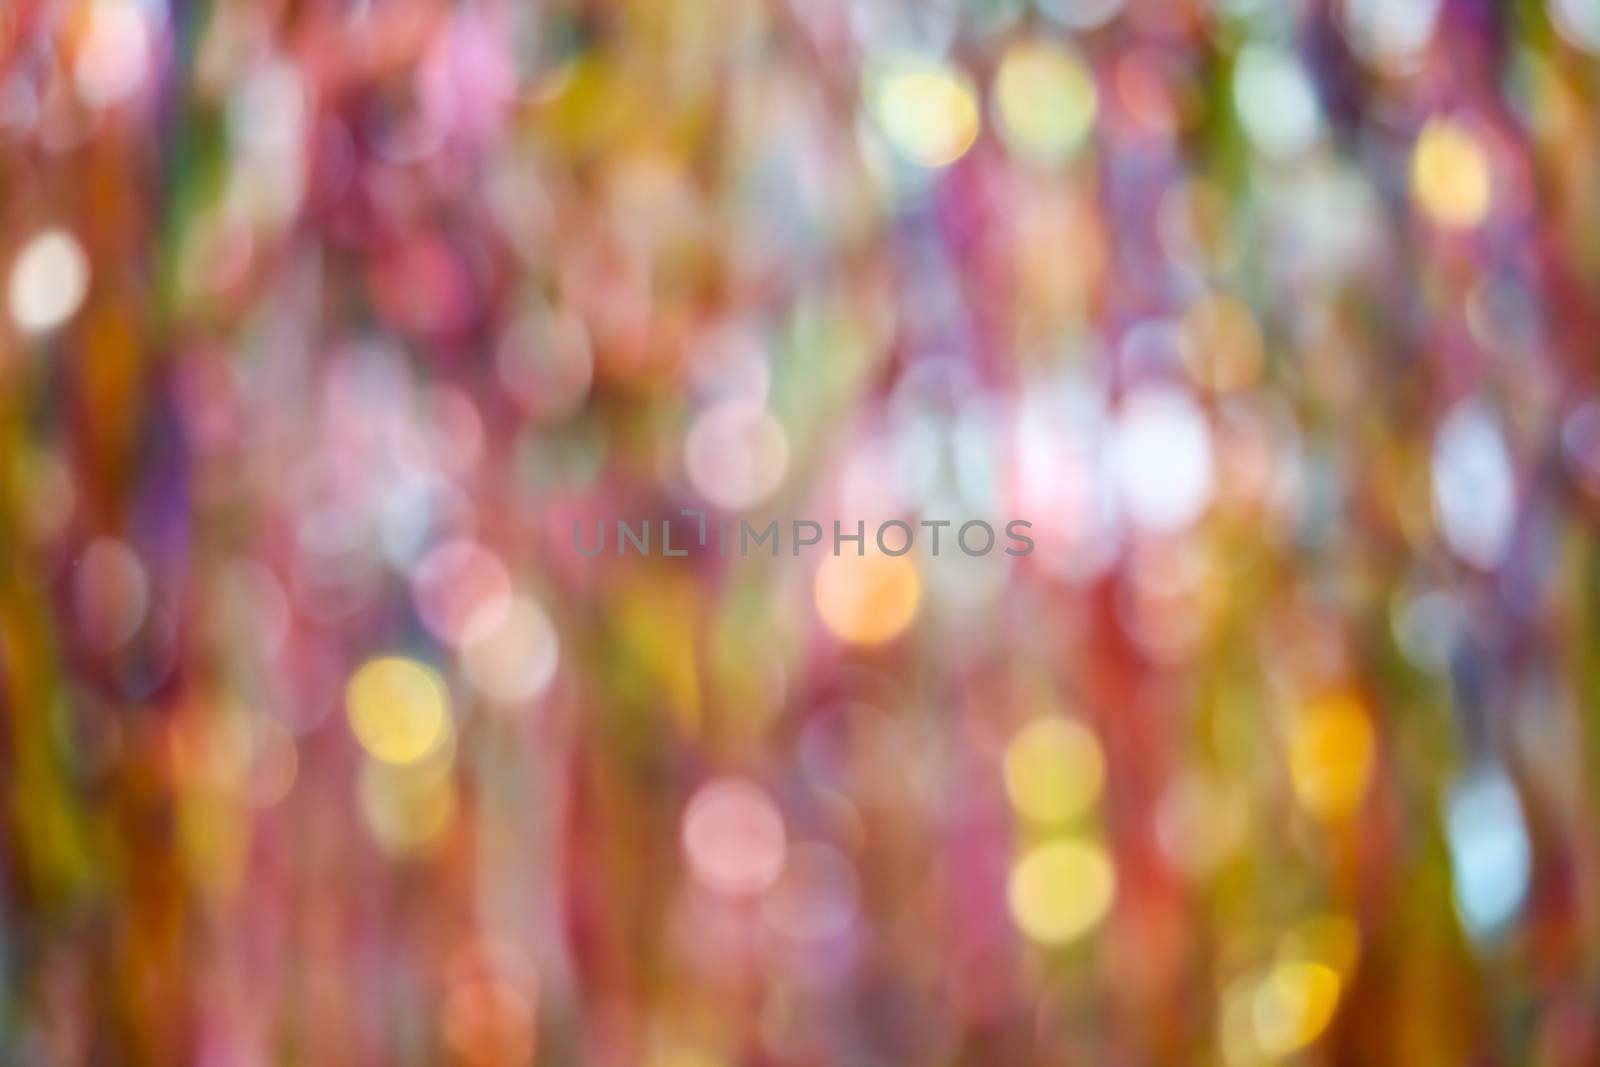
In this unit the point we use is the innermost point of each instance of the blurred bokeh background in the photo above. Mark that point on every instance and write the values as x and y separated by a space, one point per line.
325 321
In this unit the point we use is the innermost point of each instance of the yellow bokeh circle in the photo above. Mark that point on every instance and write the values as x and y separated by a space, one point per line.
1061 890
1053 769
398 709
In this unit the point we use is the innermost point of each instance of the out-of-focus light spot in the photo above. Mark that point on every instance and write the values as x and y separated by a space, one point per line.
1221 343
1146 89
1331 222
489 1022
416 510
1080 14
1064 482
817 895
733 837
1237 8
214 841
991 18
731 363
1045 101
19 104
973 442
926 109
468 76
462 592
336 567
493 959
113 58
266 125
49 497
454 430
963 591
1474 489
398 709
245 755
683 1057
1236 1022
210 751
1293 1005
266 113
49 280
1390 34
1503 316
1053 769
1160 452
867 600
491 1010
1332 939
369 400
408 809
887 26
1426 627
736 454
1196 225
546 362
1061 890
1578 21
1450 178
274 761
1151 349
514 661
250 603
1580 445
111 594
1275 102
1200 823
1490 857
1331 754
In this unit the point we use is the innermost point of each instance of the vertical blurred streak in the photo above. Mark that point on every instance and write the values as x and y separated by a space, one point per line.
188 151
108 383
46 835
522 873
138 190
1580 605
49 867
20 24
1118 694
